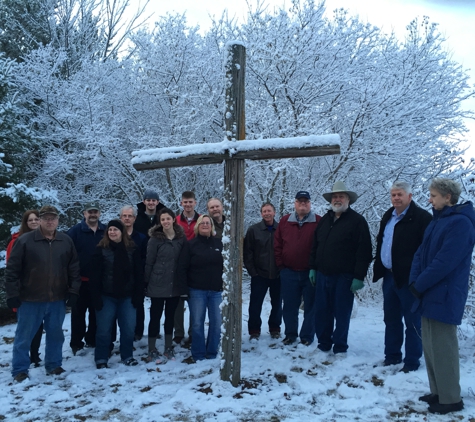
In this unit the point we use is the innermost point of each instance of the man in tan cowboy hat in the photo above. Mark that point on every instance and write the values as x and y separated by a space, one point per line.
339 260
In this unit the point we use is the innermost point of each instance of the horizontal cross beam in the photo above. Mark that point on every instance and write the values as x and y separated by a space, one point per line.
216 153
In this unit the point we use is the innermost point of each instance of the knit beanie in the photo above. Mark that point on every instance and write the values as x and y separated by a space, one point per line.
150 194
116 223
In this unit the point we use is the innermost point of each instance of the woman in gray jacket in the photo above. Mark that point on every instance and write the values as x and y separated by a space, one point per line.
163 279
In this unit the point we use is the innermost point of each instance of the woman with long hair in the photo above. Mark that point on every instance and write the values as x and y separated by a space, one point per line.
117 285
29 222
204 273
164 280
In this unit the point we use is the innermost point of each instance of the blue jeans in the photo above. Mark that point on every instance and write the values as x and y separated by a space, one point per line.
259 286
333 306
30 317
397 305
294 285
200 301
125 313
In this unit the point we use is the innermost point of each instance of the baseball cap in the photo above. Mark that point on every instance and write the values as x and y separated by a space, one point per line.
48 209
302 194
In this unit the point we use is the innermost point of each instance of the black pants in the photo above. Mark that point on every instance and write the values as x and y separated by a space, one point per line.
35 345
156 311
78 319
140 321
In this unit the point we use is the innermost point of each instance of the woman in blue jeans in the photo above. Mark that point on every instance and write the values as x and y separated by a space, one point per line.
117 285
204 273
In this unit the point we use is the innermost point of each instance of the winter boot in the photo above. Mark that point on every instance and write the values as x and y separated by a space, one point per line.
151 343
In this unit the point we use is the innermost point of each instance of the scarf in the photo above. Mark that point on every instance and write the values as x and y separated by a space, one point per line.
120 268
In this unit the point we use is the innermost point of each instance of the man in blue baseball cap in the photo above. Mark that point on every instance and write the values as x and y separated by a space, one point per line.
292 245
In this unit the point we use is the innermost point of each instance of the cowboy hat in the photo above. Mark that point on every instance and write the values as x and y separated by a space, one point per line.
339 186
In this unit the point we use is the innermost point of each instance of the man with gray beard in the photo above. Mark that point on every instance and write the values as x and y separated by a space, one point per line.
339 260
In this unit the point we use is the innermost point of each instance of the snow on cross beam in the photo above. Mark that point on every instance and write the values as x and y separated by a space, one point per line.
215 153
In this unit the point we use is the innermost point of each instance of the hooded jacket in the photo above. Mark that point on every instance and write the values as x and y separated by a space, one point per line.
164 257
143 222
441 266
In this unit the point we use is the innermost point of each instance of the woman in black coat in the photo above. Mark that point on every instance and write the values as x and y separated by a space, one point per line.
117 284
204 273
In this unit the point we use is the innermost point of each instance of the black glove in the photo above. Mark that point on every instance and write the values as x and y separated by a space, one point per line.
72 300
14 302
415 293
137 300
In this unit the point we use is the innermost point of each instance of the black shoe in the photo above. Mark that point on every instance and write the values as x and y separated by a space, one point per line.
138 337
130 362
56 371
101 365
305 342
445 408
288 341
275 334
390 362
35 359
430 398
187 343
407 368
76 349
90 346
189 360
177 339
22 376
254 336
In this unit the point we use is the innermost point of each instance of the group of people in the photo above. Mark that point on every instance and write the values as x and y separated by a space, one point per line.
424 262
103 271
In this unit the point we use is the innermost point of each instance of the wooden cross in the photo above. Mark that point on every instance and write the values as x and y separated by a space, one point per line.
233 152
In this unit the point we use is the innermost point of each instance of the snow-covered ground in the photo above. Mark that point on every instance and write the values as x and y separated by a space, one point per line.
278 383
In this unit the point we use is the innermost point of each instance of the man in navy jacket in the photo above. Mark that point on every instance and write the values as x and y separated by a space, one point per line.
86 235
400 234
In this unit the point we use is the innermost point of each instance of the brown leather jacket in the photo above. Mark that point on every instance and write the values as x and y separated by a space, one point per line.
40 271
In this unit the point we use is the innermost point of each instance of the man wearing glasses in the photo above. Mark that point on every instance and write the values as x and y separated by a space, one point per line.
292 245
86 235
41 279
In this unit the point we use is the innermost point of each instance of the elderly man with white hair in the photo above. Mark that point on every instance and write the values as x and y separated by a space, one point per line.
339 261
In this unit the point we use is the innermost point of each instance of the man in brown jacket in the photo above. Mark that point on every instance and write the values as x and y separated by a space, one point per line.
41 279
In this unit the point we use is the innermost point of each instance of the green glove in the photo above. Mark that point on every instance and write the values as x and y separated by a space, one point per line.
356 285
312 275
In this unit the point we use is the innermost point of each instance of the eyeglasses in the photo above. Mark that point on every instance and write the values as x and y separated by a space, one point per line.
205 223
49 218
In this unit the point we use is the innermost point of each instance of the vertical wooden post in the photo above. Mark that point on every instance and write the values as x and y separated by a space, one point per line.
234 212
